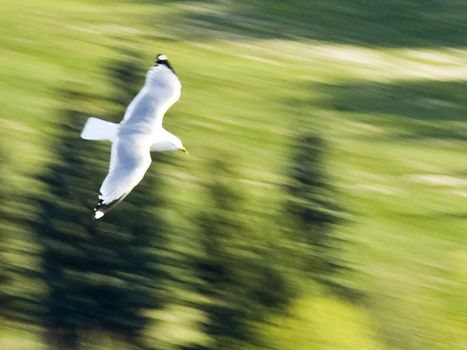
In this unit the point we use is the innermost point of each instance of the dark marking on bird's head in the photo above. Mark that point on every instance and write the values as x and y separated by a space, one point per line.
162 60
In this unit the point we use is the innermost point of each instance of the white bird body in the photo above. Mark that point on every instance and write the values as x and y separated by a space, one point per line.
139 133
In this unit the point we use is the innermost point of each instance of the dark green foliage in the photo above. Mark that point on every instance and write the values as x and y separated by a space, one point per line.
100 275
4 226
127 76
237 278
13 270
312 201
313 208
394 23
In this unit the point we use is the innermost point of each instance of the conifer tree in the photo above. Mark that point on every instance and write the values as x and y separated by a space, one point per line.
236 278
17 304
101 276
4 227
313 208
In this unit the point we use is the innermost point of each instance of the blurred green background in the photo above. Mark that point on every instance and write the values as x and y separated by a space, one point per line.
322 206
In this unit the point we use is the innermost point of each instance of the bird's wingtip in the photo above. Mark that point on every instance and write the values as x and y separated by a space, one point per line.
102 208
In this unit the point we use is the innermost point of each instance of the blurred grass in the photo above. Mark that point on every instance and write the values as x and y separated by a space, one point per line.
322 323
384 82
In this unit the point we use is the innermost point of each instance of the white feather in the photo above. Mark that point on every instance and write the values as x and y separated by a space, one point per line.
98 129
132 139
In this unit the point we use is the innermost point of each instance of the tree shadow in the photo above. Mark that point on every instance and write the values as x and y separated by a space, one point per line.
394 23
406 110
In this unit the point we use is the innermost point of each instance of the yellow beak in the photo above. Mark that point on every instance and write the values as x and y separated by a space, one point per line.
183 149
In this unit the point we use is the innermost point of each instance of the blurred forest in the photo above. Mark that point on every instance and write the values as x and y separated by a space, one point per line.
322 206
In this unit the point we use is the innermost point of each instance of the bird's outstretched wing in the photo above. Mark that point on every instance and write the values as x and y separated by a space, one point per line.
130 156
129 161
161 90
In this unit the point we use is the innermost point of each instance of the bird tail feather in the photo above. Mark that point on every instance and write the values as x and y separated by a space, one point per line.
98 129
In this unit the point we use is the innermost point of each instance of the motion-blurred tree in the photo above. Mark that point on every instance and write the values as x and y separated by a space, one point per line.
236 278
313 208
4 225
16 258
101 276
127 77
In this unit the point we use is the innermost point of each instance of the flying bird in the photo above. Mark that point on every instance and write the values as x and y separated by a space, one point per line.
139 133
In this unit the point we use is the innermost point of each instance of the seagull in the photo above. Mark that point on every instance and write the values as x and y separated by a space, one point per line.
137 135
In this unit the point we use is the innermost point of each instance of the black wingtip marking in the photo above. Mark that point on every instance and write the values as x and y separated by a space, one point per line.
162 60
104 208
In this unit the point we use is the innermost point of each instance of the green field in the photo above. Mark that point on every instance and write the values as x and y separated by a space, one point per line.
384 83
